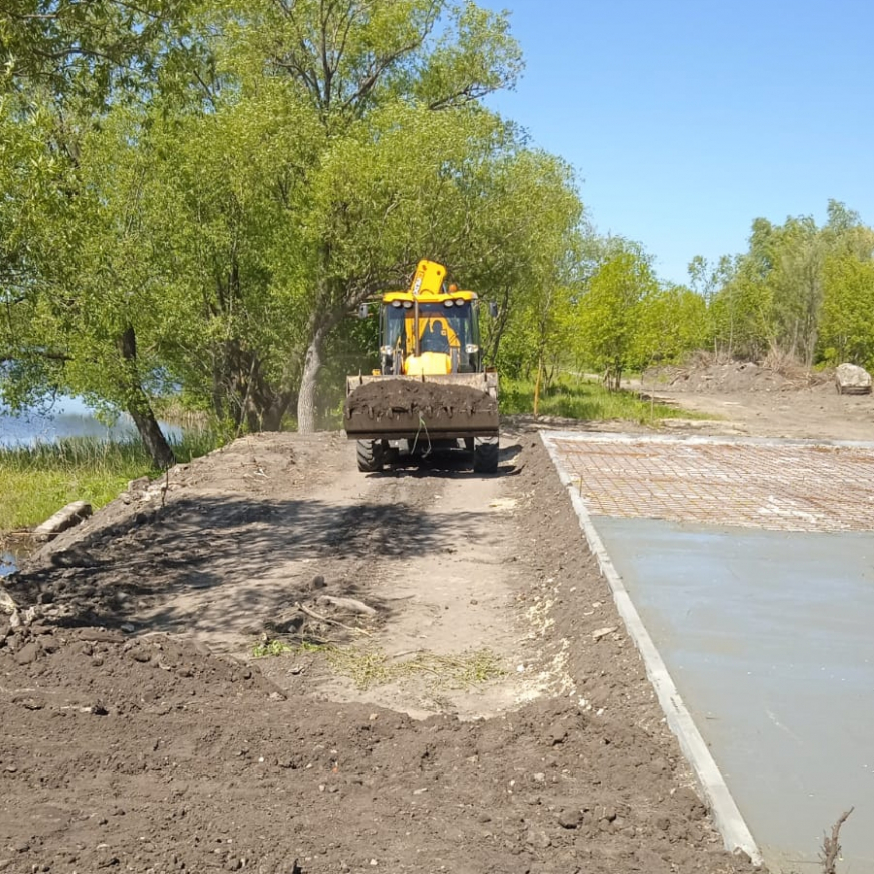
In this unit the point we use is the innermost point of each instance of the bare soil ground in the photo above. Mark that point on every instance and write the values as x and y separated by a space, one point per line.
458 693
751 400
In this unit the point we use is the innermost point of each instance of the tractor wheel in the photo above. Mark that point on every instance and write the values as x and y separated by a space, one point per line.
485 454
369 455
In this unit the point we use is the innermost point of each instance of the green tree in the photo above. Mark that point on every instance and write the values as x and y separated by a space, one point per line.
213 233
371 71
612 308
66 66
528 232
771 298
84 52
78 324
227 195
847 332
672 322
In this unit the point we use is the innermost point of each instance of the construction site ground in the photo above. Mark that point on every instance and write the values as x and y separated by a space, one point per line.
453 690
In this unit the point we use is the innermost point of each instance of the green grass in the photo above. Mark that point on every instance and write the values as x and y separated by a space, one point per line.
269 648
372 666
37 481
586 400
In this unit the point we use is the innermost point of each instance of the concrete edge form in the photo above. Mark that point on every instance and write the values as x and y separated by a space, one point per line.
726 814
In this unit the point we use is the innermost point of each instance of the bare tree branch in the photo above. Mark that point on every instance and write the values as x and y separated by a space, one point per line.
831 848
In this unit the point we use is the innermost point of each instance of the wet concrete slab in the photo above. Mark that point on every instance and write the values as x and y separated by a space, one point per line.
765 624
768 636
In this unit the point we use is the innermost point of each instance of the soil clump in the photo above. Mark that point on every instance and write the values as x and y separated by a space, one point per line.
385 397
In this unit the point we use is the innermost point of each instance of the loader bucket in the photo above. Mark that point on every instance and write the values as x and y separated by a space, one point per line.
444 406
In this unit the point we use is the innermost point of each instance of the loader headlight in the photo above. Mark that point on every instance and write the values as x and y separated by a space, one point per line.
408 304
471 349
449 303
386 350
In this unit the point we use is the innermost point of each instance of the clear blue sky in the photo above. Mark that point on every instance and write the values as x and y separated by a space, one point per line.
687 119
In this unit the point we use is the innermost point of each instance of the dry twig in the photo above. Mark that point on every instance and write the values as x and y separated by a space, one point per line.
313 615
831 848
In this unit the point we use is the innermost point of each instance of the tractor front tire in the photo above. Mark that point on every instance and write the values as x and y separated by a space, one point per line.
485 454
369 455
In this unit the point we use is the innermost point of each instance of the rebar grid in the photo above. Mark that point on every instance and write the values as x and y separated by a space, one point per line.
790 487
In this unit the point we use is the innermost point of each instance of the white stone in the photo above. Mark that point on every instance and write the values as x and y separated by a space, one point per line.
850 379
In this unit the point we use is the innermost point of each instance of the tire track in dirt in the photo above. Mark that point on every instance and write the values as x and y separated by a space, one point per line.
435 545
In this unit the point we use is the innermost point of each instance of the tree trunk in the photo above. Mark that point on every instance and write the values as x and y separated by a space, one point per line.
306 399
264 404
500 326
140 409
537 385
241 390
266 415
218 397
153 438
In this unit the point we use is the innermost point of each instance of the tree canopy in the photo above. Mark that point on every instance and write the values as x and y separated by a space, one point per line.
792 289
196 195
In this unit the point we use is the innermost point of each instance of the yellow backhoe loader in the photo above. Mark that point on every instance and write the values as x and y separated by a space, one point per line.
431 390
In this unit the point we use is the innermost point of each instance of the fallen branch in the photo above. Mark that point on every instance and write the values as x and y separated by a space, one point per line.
831 848
313 615
351 604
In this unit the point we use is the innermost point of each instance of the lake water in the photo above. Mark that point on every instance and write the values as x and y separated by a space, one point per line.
69 417
7 564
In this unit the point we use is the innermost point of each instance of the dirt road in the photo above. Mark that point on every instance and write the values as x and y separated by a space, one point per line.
456 692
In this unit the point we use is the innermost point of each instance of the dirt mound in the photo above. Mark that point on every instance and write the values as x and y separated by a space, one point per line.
384 397
729 378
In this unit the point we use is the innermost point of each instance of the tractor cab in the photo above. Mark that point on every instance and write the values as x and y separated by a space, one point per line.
430 329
